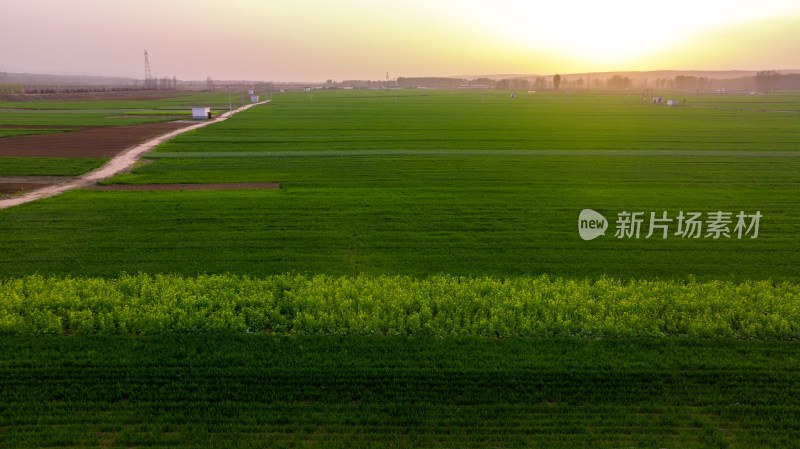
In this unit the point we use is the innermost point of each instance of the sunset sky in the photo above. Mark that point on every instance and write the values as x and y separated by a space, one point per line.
313 40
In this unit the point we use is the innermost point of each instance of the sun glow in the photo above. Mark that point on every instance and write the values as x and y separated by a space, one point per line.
611 33
363 39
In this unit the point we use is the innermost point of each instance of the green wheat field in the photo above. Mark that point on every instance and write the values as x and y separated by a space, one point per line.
418 280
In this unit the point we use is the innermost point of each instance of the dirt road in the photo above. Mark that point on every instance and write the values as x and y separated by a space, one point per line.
122 161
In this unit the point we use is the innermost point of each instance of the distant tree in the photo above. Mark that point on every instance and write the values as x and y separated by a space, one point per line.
619 82
513 84
766 80
556 81
210 83
483 82
690 82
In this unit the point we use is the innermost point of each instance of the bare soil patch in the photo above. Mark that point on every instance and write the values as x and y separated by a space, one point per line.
19 187
106 141
207 186
37 127
10 185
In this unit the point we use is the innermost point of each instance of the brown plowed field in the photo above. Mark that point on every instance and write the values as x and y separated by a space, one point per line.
38 127
216 186
106 141
8 188
10 185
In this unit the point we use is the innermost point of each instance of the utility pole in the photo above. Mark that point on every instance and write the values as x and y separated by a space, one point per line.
230 105
148 78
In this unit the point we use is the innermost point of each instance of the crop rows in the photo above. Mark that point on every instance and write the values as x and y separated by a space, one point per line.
436 306
413 215
100 112
46 166
417 281
346 208
295 391
342 121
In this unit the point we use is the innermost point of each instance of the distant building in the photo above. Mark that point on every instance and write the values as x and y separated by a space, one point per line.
253 98
658 100
673 103
201 112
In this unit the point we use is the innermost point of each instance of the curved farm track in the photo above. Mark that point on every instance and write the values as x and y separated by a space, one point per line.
97 142
124 144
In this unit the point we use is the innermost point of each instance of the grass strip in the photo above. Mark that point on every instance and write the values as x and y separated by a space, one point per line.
312 153
48 166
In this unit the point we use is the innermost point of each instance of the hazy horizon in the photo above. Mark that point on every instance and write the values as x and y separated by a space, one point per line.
314 40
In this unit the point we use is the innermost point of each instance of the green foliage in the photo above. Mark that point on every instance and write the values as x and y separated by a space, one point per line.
10 88
435 182
477 121
103 112
46 166
413 215
378 392
398 305
11 132
170 113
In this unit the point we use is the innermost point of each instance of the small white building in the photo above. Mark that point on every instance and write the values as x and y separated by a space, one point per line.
250 92
253 98
658 100
201 112
673 103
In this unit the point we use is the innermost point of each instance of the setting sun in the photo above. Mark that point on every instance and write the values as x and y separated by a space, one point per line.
356 39
605 35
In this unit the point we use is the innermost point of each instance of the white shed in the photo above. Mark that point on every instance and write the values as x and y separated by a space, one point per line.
253 98
673 103
658 100
201 112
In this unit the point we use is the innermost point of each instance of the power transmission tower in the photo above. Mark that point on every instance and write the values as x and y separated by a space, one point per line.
148 78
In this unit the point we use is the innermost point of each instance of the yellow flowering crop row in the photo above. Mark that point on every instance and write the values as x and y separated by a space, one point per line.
398 305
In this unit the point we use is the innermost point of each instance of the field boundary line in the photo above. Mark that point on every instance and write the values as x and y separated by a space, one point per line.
118 163
531 153
743 109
